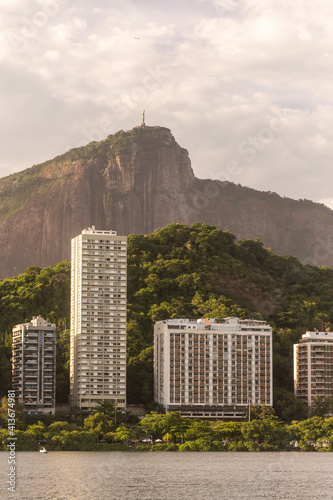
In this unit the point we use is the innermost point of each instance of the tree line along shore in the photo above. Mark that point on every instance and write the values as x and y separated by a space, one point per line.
108 429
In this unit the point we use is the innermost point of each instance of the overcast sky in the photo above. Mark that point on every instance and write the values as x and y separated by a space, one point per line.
244 85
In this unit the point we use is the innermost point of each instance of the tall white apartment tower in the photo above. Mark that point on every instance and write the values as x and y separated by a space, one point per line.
98 318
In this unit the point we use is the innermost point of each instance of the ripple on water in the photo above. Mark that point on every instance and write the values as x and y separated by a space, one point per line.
169 476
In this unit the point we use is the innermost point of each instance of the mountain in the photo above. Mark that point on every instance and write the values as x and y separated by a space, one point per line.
135 182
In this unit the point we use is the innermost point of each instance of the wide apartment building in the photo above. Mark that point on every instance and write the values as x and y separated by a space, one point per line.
212 368
313 366
34 365
98 318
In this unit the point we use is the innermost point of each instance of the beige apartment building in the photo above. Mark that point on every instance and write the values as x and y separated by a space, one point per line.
98 318
313 366
34 365
212 368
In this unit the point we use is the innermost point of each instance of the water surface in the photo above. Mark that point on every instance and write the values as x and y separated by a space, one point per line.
169 476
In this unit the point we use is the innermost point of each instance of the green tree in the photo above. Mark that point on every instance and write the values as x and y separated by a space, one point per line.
200 444
322 407
37 431
25 441
309 432
268 433
288 407
56 428
75 440
199 429
140 377
261 412
110 411
227 430
176 425
124 433
152 425
99 424
5 364
16 409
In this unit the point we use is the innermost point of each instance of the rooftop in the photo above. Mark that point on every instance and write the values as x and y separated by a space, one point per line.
317 336
93 230
37 321
217 323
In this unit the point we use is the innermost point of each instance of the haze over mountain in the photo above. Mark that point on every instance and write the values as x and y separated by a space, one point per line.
135 182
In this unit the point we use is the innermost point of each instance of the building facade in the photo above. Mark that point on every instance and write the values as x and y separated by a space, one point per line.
34 365
313 367
98 318
212 368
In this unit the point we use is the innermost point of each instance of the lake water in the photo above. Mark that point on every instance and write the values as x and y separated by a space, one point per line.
169 475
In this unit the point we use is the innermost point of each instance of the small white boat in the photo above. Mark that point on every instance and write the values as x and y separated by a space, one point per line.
43 450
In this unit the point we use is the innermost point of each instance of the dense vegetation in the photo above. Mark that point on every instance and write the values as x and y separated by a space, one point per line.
182 271
113 145
37 291
17 188
170 432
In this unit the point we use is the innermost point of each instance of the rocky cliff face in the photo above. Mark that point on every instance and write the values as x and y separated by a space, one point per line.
137 181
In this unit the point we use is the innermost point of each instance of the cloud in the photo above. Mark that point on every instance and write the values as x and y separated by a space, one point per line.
245 87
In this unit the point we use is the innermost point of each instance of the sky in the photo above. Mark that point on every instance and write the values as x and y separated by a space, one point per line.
244 85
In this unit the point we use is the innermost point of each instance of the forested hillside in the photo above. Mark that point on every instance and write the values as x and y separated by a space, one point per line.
37 291
182 271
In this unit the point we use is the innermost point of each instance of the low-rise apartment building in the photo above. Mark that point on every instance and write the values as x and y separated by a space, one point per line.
212 368
34 365
313 367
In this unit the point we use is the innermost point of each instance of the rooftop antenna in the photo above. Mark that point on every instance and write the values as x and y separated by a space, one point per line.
143 119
